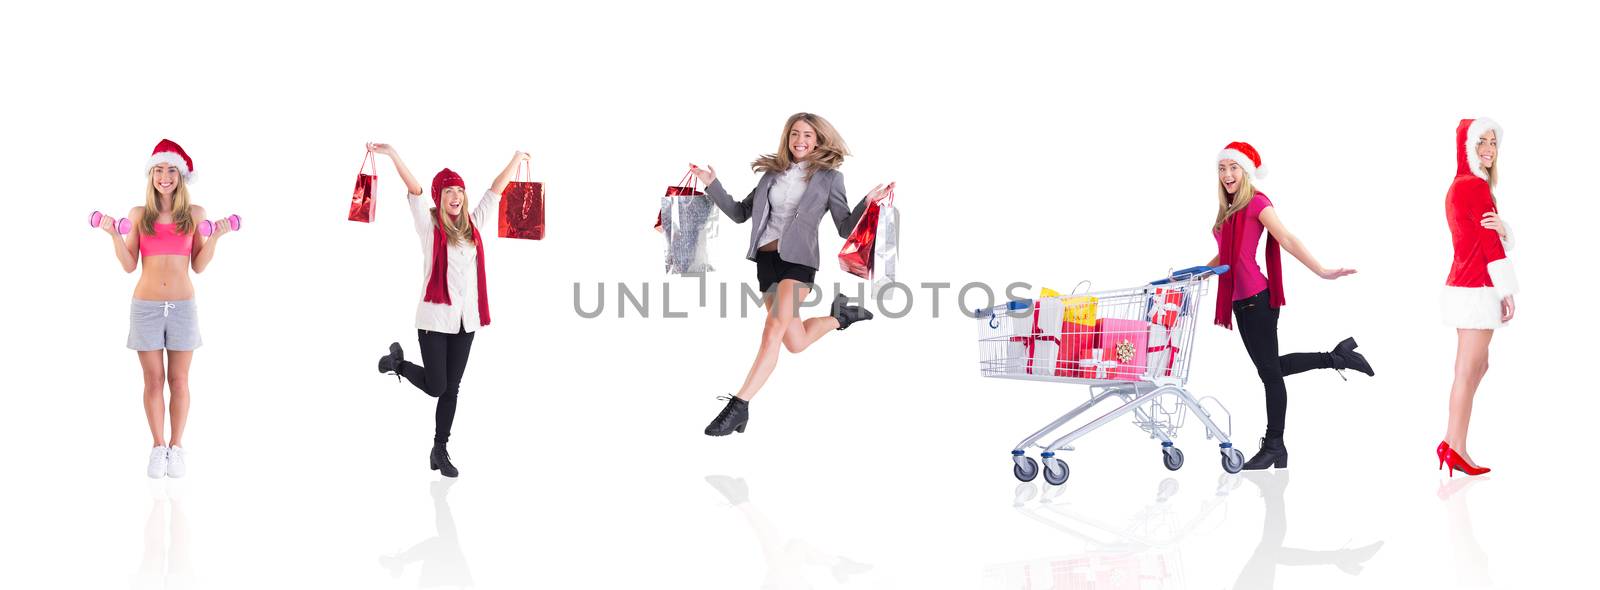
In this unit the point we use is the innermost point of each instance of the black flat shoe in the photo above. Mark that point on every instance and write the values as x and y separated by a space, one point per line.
1272 454
439 460
390 363
848 314
1345 357
731 419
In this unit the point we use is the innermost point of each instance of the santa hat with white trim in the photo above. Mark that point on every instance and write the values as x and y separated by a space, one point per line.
169 152
1247 158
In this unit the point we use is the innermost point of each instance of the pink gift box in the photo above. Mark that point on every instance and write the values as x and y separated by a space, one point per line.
1128 343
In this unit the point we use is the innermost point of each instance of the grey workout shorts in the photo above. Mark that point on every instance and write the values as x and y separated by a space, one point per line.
154 325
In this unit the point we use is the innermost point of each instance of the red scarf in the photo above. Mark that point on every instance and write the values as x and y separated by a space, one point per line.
1233 232
437 291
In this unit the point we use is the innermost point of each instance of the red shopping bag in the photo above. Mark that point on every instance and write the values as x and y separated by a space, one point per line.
522 208
684 188
856 255
363 205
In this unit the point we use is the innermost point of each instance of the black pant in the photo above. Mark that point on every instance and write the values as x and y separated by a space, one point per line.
1258 327
444 358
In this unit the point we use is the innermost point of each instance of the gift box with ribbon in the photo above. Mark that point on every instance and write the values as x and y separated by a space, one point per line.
1127 342
1165 307
1100 364
1162 352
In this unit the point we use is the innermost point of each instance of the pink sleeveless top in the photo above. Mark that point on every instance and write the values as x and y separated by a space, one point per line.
166 241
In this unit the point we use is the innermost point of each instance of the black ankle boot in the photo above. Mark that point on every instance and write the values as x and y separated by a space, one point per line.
1272 454
439 460
732 418
390 363
1345 357
848 314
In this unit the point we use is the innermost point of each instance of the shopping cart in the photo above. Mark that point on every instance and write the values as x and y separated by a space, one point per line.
1130 345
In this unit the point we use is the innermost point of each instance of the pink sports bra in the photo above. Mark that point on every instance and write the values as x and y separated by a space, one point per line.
166 241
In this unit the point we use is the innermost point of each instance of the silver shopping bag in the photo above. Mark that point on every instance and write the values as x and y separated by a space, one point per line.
688 218
886 247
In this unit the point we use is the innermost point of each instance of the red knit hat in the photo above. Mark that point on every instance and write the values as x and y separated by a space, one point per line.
169 152
1247 157
444 179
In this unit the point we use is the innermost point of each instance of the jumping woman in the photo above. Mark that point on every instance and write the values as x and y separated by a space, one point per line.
799 183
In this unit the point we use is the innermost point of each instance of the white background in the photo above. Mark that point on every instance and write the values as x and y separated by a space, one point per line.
1031 142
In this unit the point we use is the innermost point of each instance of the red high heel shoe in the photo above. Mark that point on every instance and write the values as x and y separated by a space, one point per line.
1448 456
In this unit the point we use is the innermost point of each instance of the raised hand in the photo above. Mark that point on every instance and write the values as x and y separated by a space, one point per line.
880 192
705 175
381 148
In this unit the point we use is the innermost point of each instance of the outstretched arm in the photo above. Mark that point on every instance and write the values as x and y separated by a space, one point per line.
413 187
504 178
1269 219
738 211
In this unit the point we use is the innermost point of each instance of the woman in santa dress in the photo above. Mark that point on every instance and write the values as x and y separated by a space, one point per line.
1478 293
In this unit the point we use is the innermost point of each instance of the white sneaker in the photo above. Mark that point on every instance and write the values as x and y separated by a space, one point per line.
158 463
175 465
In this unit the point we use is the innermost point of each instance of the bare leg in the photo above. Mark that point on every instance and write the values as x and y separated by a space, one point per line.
155 384
178 362
1472 361
802 334
781 310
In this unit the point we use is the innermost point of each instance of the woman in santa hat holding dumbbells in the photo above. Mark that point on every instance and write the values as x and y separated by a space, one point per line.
1478 292
1244 292
455 296
170 236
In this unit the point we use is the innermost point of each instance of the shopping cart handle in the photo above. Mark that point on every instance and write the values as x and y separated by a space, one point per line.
1193 272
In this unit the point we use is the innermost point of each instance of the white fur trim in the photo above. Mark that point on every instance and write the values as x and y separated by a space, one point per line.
1476 129
1244 162
1475 308
1503 276
170 158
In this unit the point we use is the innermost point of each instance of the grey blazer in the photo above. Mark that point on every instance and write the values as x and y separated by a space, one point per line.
798 244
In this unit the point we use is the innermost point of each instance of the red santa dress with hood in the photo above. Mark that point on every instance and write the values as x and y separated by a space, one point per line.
1480 274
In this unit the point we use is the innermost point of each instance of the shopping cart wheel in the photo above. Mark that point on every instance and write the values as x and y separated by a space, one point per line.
1026 470
1055 471
1172 457
1232 460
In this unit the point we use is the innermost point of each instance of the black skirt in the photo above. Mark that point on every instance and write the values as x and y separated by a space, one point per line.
770 269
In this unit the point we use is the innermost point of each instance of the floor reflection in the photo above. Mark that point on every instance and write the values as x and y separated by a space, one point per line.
443 565
1262 568
1141 551
1467 557
791 563
166 562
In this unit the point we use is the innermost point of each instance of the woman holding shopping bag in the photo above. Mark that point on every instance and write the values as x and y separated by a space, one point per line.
1478 293
1245 293
165 237
455 294
799 182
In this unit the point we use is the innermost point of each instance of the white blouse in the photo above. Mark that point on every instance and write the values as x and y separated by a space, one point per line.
462 282
783 201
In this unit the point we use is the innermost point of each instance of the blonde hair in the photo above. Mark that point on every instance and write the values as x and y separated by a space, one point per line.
152 207
457 229
828 154
1225 208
